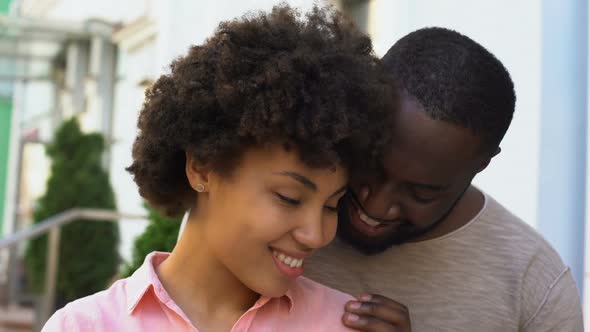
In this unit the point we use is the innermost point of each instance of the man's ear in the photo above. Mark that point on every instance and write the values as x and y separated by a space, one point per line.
484 164
196 173
497 152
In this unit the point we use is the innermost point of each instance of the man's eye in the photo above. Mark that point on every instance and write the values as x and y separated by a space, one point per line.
288 200
423 198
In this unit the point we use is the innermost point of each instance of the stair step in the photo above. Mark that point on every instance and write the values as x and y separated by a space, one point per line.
16 319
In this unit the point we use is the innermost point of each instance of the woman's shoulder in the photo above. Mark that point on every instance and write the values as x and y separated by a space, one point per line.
90 312
318 292
319 304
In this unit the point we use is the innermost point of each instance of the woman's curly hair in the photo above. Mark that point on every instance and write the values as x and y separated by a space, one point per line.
311 84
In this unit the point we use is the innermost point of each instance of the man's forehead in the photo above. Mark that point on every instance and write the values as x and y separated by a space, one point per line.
415 131
435 145
429 150
415 167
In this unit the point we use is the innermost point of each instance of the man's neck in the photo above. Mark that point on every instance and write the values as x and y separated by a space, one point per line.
468 207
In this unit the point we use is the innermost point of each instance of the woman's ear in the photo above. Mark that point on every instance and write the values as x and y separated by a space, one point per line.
196 173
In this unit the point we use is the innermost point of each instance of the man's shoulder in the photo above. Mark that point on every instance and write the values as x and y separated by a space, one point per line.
499 220
497 225
547 290
514 258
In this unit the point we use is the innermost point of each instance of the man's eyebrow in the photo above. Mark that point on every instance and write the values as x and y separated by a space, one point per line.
300 178
429 186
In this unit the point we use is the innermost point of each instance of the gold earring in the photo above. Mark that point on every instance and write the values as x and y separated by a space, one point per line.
200 187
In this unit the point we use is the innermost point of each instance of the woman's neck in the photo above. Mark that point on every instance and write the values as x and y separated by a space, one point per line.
206 291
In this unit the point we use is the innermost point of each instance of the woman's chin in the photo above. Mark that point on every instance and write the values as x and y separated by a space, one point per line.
276 288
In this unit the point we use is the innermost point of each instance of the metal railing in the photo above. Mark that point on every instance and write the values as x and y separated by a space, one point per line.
53 226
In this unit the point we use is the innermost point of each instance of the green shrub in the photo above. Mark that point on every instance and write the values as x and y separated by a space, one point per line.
88 254
160 235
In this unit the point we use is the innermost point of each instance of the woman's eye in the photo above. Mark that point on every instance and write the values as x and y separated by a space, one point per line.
331 209
288 200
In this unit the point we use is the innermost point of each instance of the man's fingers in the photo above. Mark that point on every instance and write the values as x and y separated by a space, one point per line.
383 300
368 324
396 315
376 313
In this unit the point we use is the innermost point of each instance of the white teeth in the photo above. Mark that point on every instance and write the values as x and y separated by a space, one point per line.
368 220
289 261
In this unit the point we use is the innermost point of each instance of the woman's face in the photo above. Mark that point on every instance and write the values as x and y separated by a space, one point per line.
270 214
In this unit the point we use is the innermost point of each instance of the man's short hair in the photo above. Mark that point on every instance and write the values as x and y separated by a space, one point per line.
456 80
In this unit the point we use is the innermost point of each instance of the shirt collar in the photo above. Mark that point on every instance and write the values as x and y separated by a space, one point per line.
145 278
288 298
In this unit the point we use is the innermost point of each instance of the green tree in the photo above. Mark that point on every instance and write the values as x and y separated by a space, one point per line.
88 253
160 235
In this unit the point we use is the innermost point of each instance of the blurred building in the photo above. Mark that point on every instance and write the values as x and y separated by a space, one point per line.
95 59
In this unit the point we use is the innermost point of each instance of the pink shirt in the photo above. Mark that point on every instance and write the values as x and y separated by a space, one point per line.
140 303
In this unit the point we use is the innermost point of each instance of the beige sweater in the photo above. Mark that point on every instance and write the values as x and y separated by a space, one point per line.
494 274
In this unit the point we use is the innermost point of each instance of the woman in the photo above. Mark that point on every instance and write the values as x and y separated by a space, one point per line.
256 132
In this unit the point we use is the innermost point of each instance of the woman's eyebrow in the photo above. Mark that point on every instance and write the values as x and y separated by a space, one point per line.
300 178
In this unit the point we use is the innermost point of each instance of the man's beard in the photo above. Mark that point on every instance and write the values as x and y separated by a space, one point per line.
405 232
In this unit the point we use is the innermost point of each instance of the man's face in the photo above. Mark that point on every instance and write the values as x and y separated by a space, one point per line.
426 170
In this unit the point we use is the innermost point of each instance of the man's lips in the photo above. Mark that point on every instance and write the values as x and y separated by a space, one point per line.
367 225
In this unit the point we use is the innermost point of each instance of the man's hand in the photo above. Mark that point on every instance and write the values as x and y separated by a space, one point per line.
376 313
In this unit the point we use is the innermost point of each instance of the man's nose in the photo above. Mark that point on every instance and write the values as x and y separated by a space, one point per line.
379 202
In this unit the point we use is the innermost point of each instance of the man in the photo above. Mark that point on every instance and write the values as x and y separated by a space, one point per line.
437 249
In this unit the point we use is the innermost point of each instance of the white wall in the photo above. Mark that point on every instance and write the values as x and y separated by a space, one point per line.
178 29
33 102
511 30
133 67
79 10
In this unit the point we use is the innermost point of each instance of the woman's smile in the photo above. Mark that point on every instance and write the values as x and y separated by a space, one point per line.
288 263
